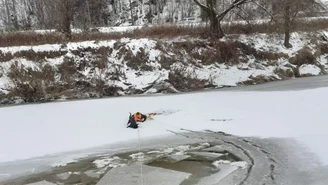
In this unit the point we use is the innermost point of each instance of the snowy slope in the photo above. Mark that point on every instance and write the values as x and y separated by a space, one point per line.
146 66
38 130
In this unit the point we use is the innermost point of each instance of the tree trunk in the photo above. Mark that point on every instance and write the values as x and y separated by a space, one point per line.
14 16
67 20
220 30
287 24
142 11
87 23
214 24
64 16
9 23
41 15
132 17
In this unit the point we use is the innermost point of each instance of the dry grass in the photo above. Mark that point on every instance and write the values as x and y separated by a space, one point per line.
29 38
173 31
33 38
170 31
31 55
276 27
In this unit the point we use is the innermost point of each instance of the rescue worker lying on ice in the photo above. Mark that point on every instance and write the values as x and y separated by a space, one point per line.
136 118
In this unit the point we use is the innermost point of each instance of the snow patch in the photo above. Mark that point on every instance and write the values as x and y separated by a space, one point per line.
240 164
309 69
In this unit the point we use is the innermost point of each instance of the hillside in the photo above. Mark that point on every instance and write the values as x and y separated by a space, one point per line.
146 66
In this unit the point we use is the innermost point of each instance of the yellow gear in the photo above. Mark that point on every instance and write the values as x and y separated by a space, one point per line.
149 115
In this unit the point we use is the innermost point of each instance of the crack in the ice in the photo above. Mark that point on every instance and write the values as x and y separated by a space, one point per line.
267 154
219 132
272 167
249 169
180 134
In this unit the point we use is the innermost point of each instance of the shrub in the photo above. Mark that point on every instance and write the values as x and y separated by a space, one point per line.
67 69
303 56
324 48
4 57
30 92
166 61
284 73
183 80
138 61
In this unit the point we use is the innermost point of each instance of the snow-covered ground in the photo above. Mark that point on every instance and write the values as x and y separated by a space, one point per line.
45 129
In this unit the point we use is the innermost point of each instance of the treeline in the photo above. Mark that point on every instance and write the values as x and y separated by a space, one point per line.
63 15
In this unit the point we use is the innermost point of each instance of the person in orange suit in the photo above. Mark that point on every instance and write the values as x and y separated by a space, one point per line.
136 118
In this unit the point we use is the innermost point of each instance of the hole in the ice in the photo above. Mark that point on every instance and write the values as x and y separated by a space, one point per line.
198 165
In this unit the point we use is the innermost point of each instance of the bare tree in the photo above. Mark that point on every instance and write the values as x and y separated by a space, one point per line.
291 10
172 8
131 11
187 8
8 20
215 17
285 13
14 17
64 9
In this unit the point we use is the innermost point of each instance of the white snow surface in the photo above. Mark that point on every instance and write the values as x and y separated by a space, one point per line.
308 69
240 164
44 129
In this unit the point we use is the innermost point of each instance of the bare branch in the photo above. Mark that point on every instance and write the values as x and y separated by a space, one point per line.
232 6
204 7
263 8
242 17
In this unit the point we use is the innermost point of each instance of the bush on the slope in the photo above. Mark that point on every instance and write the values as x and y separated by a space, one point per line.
324 48
184 80
138 61
303 56
286 72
